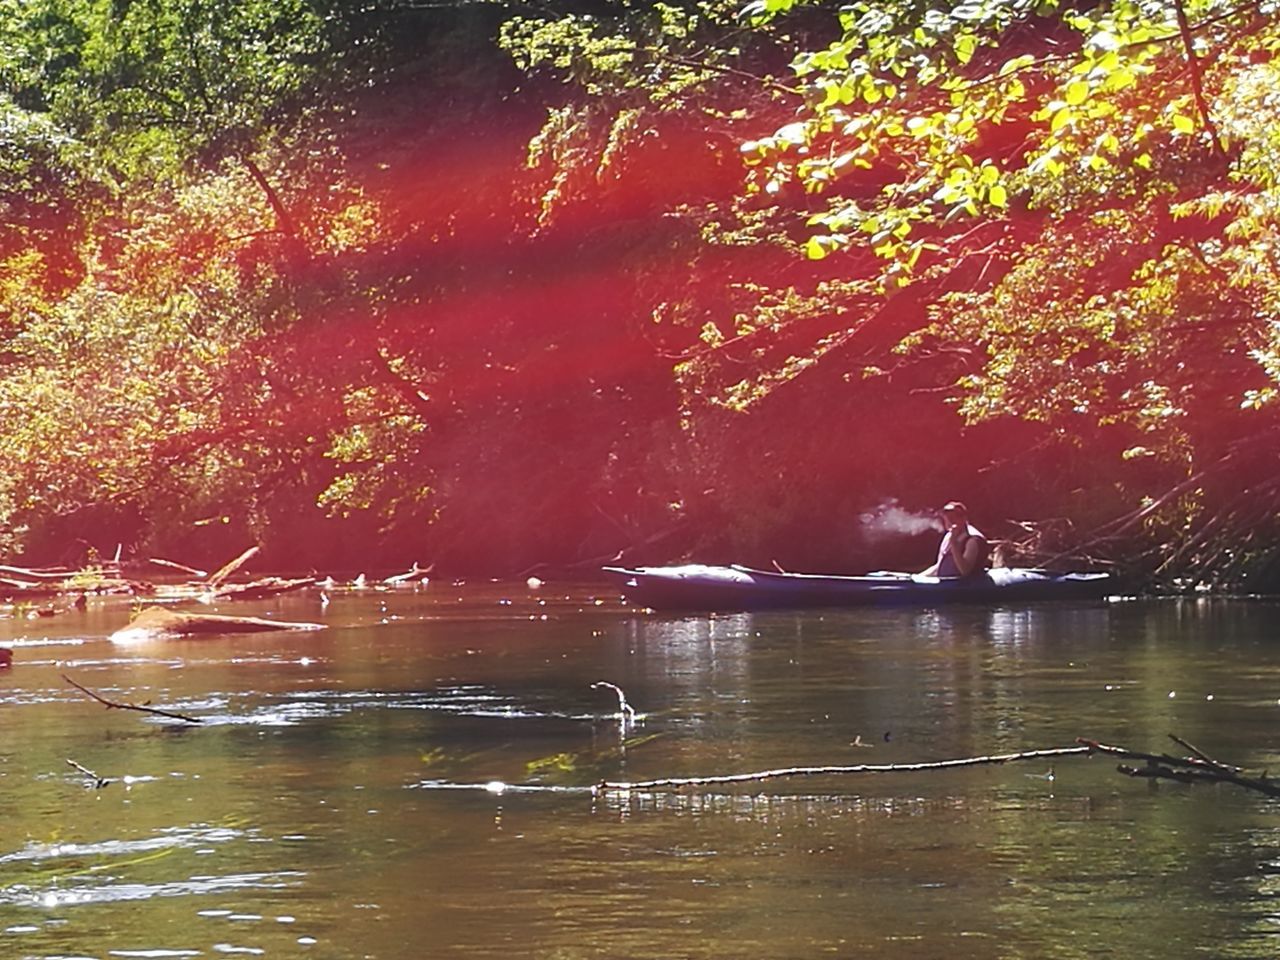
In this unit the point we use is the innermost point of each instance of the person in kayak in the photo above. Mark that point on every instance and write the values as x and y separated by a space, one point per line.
963 551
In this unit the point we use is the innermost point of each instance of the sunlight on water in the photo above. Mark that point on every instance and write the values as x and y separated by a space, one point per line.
22 643
35 852
498 788
108 892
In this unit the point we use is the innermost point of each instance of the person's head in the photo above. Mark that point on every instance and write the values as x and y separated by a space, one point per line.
954 512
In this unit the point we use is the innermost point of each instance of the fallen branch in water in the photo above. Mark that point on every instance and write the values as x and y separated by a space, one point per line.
833 771
114 705
97 782
1199 767
26 573
626 712
161 562
257 590
413 574
216 580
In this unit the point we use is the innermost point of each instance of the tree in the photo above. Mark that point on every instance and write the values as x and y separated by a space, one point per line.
1065 212
191 216
1089 196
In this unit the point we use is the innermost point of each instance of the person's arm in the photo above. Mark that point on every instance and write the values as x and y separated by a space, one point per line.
967 551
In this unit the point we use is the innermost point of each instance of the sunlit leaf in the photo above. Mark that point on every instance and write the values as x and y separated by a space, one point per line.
1077 93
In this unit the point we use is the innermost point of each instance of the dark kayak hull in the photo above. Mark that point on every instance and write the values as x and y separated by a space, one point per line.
701 587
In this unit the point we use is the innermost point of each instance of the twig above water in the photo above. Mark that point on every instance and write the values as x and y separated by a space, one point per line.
97 782
626 712
116 705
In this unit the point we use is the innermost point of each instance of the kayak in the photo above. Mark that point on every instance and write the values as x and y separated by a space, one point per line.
702 587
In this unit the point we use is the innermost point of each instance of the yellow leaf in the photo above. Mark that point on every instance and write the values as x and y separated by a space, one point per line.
1183 124
998 196
1077 93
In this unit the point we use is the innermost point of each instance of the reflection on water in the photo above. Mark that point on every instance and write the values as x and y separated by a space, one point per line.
418 781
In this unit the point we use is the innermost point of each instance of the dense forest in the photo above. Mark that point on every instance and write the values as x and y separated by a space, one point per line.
498 285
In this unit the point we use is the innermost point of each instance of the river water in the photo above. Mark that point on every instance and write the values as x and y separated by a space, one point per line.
415 782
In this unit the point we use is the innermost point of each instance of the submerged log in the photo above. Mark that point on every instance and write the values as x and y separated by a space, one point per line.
156 623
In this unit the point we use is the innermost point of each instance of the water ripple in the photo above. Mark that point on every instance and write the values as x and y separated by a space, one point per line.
469 701
108 892
184 837
497 787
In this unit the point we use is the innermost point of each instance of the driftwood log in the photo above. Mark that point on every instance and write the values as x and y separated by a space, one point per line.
157 623
218 585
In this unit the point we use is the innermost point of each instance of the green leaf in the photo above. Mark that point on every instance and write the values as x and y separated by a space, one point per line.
818 248
1077 93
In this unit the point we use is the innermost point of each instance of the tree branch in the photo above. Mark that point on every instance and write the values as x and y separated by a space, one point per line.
283 218
678 782
96 781
1197 768
114 705
1197 81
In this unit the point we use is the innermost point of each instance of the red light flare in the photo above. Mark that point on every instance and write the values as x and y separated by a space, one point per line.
488 303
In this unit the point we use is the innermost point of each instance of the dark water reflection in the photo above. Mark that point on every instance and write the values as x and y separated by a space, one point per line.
415 782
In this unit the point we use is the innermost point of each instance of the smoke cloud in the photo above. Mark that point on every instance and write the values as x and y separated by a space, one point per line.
888 519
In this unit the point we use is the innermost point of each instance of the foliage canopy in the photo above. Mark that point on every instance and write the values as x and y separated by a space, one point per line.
249 269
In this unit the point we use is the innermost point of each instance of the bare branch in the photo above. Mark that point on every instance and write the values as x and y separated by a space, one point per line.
97 782
1184 769
161 562
233 566
1197 81
1197 768
674 783
114 705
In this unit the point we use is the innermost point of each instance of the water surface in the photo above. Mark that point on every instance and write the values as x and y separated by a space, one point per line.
416 781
